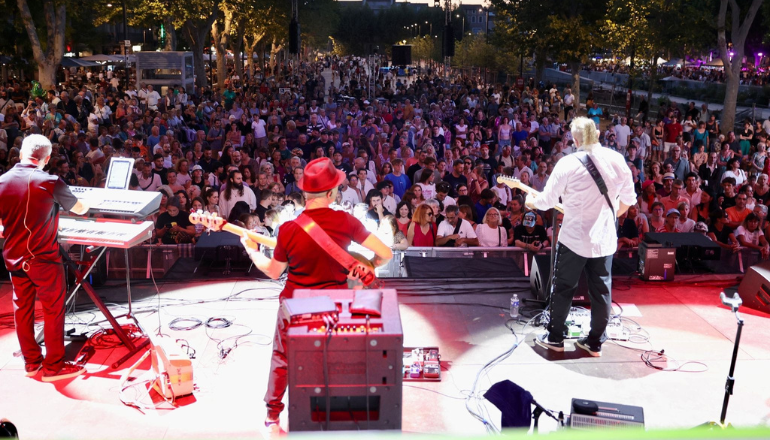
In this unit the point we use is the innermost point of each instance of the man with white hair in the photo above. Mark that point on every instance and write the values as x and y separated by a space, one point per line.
30 217
588 237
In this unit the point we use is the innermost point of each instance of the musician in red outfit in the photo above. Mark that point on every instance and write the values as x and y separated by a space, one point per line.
309 265
29 212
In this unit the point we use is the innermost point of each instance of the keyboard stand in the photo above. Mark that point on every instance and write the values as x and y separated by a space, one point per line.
81 281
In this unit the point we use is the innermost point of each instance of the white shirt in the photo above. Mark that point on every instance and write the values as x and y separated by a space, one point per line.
225 206
686 226
351 196
489 237
589 227
152 99
749 237
503 194
466 230
152 183
517 172
448 201
258 127
390 203
622 132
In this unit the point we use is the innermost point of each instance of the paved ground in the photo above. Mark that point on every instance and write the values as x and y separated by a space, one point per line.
684 318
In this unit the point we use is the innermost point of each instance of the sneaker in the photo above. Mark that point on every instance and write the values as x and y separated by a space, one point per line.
67 371
32 368
542 340
593 351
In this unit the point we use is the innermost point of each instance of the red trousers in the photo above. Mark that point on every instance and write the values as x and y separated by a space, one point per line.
44 280
278 379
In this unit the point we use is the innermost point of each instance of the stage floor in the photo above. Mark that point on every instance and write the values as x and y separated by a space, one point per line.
685 318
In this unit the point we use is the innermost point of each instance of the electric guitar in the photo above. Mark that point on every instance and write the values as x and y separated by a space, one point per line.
362 271
514 183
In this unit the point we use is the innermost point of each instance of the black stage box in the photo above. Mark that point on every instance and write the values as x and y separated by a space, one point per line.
657 262
690 246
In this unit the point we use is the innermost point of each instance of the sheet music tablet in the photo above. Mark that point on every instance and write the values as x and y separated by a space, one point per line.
120 173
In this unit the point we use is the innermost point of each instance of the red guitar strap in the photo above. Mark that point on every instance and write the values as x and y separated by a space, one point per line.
356 269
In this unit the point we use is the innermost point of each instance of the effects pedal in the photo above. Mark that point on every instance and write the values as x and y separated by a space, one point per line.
617 331
578 323
422 364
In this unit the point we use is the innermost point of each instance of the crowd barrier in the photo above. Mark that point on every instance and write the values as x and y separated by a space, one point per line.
156 260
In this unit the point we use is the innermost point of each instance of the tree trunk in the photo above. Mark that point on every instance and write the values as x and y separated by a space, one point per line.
250 49
738 33
653 77
222 41
575 67
55 20
237 46
46 75
168 25
197 39
539 66
275 49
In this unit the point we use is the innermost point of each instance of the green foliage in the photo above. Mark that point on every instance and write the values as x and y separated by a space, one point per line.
359 28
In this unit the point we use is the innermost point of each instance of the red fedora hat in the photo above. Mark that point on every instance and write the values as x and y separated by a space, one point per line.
320 175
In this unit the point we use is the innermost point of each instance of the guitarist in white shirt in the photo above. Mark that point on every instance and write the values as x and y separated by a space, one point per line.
588 237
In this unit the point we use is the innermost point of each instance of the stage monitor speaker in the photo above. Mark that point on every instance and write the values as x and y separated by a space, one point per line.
294 37
401 55
539 281
656 262
448 46
755 287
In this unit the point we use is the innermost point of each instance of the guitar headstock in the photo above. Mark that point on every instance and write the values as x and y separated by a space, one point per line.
208 219
511 182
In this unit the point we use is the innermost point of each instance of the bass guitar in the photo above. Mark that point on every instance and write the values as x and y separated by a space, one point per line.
514 183
360 269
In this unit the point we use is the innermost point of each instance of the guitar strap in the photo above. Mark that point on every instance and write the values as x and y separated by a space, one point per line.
597 176
334 250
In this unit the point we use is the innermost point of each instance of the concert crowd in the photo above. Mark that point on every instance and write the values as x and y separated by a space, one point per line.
423 154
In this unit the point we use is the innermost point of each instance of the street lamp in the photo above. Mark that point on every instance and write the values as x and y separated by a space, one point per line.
463 29
431 28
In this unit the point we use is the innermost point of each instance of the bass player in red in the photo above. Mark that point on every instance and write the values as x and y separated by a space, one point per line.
309 265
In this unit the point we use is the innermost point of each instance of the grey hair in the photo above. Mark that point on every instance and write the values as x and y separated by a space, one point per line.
584 130
432 202
452 209
35 146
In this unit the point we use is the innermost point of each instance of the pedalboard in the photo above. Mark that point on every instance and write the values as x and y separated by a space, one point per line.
422 364
579 325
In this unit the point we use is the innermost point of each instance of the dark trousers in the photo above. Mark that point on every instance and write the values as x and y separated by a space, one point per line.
46 281
278 379
568 267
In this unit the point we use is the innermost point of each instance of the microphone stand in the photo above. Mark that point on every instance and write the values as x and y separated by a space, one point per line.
734 303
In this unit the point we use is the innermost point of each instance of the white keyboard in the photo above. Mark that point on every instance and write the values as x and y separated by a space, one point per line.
118 202
121 234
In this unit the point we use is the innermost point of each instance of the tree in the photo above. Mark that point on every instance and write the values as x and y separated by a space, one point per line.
197 19
732 61
649 29
221 33
49 57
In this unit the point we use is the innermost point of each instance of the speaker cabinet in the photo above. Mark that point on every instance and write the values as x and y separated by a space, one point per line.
448 45
294 37
401 55
540 281
755 287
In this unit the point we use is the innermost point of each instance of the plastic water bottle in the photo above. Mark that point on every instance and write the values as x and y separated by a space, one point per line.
515 306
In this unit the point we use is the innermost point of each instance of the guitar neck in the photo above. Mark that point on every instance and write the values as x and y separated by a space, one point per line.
516 184
259 238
